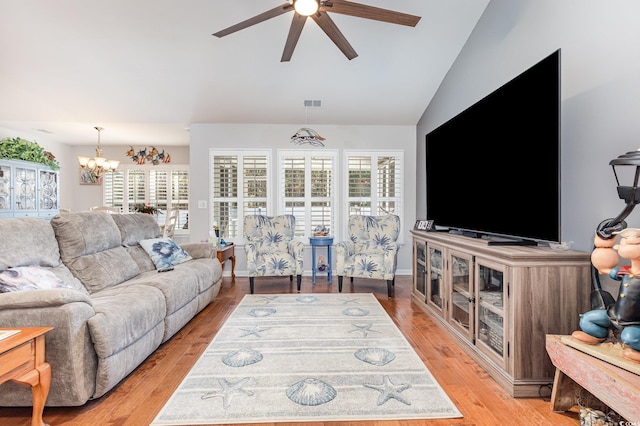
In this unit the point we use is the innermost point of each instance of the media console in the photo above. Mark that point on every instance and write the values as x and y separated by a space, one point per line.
498 303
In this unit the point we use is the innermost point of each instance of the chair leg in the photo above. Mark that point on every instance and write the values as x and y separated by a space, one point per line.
290 277
251 284
339 283
299 278
390 285
351 279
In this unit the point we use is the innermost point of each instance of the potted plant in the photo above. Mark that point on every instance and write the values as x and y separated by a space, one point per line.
22 149
145 208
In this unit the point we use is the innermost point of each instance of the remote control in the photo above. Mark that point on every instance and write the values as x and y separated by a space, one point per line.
170 268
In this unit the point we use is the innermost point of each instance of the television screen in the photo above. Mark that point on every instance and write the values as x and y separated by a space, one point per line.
494 169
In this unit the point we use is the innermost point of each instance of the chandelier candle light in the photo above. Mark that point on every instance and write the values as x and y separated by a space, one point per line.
98 165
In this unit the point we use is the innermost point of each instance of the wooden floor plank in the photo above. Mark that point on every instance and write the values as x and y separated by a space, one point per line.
138 399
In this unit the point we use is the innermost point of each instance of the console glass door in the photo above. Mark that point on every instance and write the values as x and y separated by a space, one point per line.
435 280
462 296
491 309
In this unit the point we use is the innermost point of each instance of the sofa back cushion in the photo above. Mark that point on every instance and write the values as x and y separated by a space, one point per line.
27 242
270 234
136 227
90 246
133 229
372 234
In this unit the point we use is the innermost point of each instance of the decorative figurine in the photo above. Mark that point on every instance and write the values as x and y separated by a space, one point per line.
322 264
623 313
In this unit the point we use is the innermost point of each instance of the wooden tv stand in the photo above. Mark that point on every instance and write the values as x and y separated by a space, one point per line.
498 303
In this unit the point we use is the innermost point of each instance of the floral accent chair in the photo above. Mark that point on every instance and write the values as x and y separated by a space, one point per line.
371 251
271 249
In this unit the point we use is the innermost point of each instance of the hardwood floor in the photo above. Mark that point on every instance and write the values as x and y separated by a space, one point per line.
138 399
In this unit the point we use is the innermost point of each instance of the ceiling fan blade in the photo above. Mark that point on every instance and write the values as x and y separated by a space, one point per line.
294 34
276 11
330 29
369 12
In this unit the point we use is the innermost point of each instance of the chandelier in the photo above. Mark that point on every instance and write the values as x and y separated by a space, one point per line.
98 165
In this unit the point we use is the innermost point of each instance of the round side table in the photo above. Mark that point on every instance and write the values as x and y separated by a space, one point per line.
315 243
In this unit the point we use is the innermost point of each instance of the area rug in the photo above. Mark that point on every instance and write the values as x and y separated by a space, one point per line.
303 358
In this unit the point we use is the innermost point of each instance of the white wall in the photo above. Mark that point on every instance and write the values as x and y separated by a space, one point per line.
251 136
599 41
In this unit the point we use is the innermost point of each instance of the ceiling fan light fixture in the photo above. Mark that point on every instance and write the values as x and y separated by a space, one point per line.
305 7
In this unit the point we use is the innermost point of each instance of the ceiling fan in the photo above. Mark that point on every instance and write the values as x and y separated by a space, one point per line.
317 10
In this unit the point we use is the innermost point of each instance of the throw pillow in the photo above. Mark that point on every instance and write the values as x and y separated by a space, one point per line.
164 252
29 278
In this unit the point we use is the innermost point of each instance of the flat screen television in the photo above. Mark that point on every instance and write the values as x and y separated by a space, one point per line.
494 169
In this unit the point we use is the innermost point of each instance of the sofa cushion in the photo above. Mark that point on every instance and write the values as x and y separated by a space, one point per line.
24 278
164 252
28 242
82 233
136 227
90 246
105 269
124 315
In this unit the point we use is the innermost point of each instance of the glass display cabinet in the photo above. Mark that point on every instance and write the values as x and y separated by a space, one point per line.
28 190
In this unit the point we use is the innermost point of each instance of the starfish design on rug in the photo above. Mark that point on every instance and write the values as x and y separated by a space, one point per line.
363 329
228 390
268 299
389 390
256 330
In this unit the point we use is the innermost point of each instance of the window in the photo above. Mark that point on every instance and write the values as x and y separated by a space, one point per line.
240 186
164 188
307 183
373 184
242 183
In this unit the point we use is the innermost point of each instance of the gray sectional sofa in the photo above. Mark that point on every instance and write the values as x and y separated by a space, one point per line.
114 309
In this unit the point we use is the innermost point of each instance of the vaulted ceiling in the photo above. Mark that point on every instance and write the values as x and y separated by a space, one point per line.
145 69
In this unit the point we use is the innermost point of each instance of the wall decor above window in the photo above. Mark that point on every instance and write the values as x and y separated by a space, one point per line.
148 154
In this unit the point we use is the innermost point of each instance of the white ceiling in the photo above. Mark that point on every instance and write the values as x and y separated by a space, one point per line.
145 69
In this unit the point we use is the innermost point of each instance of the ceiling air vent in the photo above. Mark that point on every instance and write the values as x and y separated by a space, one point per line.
312 103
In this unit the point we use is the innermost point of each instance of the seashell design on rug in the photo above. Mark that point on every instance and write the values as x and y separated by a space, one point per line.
311 392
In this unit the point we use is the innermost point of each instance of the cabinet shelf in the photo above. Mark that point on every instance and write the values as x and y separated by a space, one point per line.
499 302
463 290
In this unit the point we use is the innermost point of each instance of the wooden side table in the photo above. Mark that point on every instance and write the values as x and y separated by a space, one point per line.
616 387
228 252
22 360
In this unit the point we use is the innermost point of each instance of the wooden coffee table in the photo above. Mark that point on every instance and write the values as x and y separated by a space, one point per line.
22 360
228 252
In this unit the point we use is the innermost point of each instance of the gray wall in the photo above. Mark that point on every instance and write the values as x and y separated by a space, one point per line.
599 42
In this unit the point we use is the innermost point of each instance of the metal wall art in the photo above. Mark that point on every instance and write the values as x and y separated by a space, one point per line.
150 154
307 136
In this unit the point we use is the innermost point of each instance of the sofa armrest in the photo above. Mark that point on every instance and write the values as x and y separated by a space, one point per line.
41 298
390 260
344 249
69 348
200 250
296 249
